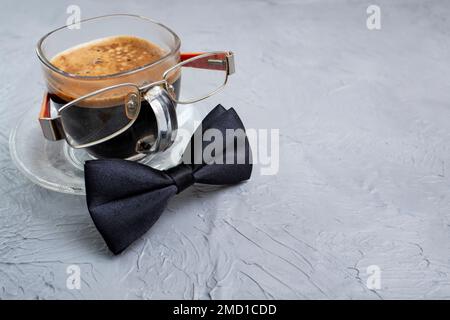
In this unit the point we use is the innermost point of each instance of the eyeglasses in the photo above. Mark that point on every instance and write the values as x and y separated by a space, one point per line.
103 114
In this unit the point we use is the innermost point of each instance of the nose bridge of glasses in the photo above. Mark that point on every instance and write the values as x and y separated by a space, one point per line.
146 87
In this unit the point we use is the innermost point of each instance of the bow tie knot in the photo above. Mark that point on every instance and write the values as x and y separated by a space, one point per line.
181 176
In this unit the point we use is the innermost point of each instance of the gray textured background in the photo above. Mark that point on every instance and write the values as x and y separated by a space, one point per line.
364 173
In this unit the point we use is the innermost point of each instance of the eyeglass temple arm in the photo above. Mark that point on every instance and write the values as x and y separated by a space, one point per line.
219 61
51 127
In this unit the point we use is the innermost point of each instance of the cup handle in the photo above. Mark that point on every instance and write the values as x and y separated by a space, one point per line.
166 120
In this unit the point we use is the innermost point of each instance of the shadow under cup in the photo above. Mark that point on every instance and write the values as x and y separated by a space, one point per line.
64 87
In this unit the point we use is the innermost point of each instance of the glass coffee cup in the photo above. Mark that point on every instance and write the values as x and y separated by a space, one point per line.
122 112
64 87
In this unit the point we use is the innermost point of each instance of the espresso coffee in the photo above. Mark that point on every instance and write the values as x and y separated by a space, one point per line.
108 58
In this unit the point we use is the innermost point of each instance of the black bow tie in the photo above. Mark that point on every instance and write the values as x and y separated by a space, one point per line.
126 198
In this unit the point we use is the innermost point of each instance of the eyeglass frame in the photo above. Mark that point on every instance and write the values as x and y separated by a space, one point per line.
52 127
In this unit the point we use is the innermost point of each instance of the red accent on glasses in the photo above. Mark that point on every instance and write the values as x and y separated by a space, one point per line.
207 62
45 107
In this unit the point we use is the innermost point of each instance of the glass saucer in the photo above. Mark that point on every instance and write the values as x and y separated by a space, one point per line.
56 166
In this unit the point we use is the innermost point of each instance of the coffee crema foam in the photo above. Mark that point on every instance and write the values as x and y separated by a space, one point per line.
108 56
109 59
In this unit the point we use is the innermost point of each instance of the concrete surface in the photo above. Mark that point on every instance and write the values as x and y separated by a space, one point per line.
364 161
